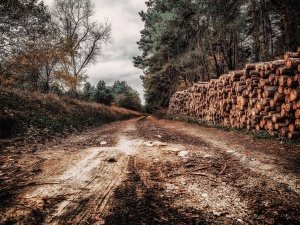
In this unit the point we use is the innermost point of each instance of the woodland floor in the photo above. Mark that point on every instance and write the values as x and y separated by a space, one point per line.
151 172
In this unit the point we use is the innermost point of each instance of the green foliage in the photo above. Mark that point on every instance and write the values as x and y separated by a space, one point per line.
55 89
129 100
29 46
88 90
158 90
102 94
125 96
20 21
43 115
39 49
188 41
262 134
148 109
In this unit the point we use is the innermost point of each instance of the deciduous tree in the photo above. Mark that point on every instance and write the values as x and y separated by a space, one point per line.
35 66
20 21
83 37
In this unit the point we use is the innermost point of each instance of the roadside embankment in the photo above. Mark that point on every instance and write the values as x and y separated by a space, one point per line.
41 116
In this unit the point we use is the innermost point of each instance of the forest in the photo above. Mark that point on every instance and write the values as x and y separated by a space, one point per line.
217 141
186 41
47 50
183 41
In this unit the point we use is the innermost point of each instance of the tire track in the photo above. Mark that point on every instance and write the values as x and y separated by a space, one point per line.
144 180
81 184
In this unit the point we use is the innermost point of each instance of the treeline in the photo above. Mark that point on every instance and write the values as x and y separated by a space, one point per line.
38 118
43 50
119 94
186 41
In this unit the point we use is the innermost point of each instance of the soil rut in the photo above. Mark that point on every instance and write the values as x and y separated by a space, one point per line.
151 171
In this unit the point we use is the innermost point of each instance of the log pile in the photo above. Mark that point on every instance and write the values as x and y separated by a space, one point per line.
263 95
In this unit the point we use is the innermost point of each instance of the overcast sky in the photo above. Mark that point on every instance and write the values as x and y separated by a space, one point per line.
116 62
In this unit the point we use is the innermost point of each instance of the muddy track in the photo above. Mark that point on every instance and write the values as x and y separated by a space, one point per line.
74 182
149 171
135 203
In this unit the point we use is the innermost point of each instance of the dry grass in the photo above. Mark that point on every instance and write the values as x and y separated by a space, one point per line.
24 113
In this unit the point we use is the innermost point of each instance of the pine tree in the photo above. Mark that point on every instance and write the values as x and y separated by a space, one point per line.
102 94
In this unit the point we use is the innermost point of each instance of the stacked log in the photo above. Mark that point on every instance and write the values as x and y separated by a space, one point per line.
262 96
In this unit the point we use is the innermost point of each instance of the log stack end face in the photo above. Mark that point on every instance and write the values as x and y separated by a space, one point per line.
262 96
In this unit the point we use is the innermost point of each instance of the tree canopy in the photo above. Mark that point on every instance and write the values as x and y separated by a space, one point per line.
82 36
20 21
43 50
186 41
125 96
119 94
102 93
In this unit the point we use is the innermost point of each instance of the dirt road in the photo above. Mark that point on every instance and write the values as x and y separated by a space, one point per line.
149 171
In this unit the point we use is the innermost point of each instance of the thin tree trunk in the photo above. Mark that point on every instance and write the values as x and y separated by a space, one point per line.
255 34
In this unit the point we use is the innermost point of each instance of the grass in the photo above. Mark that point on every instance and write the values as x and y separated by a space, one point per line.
33 114
262 134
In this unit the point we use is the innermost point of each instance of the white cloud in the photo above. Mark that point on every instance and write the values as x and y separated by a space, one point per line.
116 62
117 69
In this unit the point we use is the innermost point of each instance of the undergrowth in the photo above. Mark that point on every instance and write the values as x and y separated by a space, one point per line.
32 114
262 134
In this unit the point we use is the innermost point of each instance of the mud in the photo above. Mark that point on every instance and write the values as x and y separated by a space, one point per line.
151 171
